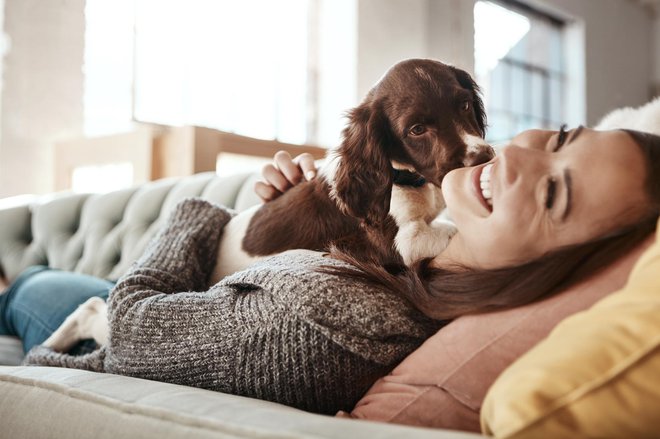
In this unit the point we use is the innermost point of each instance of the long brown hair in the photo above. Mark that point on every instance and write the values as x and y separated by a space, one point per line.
443 293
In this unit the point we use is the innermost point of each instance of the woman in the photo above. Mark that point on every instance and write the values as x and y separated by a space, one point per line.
550 208
557 206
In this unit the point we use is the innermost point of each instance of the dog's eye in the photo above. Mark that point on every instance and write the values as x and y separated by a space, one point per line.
465 106
418 130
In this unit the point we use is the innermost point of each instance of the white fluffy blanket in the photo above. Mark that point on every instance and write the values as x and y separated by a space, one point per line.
643 118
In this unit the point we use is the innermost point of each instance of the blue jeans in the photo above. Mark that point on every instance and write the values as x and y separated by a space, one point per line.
39 300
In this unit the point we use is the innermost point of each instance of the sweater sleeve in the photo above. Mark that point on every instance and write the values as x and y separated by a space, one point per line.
43 356
181 257
165 322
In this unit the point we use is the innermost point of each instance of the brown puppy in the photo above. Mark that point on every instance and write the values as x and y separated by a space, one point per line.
379 190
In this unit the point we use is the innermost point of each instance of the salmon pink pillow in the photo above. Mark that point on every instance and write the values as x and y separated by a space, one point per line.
443 383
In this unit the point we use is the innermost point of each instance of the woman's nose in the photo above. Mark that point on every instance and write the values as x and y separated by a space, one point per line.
515 162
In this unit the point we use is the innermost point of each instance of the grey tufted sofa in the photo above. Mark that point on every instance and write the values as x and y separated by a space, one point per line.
101 235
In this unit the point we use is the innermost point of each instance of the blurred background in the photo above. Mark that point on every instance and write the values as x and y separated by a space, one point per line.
97 95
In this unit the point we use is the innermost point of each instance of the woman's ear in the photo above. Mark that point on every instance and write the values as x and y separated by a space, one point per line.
468 83
363 179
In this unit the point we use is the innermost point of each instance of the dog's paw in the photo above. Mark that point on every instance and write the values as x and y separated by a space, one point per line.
444 228
417 240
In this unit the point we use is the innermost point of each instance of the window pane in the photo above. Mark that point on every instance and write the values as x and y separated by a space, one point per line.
556 99
516 84
519 64
108 66
537 98
203 62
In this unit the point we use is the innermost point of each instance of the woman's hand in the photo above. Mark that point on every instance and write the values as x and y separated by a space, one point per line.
284 173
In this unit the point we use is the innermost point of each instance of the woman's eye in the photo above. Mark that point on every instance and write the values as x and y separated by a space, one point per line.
465 106
561 138
552 190
418 130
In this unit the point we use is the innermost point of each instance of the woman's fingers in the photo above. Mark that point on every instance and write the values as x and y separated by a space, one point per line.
265 191
289 169
306 163
274 177
283 174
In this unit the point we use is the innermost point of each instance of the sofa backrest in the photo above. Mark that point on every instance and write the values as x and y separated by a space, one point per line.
103 234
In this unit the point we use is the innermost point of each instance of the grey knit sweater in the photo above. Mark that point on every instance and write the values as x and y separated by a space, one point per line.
280 331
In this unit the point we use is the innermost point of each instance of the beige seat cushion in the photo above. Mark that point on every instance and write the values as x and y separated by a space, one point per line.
11 350
39 402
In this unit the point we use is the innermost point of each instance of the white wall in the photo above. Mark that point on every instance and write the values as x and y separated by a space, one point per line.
619 49
392 30
621 61
42 94
388 31
450 25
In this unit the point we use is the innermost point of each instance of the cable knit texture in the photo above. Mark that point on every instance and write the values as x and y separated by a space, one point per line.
279 331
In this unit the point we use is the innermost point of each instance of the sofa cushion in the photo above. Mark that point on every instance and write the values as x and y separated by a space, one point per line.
112 406
443 383
596 375
11 350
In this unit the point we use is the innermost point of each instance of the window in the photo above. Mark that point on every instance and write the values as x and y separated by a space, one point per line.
268 69
519 63
199 62
108 67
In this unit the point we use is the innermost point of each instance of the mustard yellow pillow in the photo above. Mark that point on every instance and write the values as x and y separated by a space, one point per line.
596 375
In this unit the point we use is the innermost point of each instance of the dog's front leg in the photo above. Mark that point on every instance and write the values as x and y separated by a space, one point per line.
418 239
421 234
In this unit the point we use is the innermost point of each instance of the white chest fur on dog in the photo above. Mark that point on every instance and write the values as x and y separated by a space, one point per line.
422 230
231 256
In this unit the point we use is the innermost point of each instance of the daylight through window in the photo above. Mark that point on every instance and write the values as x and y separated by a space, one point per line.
519 63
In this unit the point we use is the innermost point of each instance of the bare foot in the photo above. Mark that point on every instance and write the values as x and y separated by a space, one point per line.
90 320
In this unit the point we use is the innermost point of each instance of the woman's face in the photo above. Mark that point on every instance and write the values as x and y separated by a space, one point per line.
543 191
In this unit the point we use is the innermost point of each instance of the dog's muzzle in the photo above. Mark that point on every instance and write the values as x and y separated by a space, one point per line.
482 154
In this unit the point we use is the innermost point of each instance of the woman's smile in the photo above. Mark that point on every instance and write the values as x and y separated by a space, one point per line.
481 185
484 182
549 194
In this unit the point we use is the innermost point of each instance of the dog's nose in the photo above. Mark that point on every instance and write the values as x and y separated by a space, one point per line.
482 155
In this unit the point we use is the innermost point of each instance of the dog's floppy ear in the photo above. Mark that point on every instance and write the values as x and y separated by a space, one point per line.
363 179
468 83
